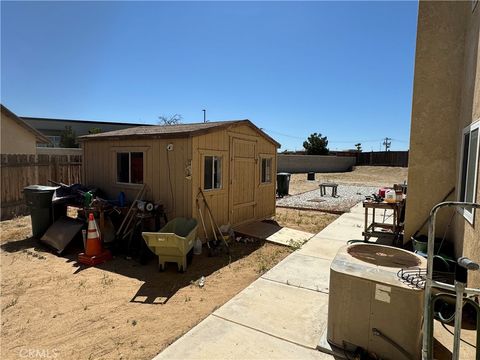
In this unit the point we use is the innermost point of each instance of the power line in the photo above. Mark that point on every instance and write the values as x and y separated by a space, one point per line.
402 141
286 135
342 141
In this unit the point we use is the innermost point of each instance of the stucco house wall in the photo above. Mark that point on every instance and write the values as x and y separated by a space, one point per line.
16 136
16 139
445 100
466 235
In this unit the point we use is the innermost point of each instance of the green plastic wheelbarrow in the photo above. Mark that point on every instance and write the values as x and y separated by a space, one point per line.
173 242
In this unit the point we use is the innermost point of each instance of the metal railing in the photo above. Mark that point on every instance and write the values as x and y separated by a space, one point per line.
462 293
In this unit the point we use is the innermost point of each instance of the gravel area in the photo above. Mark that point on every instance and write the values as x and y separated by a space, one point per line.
348 196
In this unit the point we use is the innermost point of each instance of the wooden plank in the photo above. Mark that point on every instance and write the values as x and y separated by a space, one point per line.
273 233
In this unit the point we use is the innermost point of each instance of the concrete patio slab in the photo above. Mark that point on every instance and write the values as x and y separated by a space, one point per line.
291 313
216 338
325 347
343 232
357 208
324 248
281 315
305 271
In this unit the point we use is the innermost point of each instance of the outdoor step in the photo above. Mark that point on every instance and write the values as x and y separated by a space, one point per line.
291 313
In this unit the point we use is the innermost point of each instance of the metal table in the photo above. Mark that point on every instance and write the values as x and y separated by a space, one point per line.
323 187
376 229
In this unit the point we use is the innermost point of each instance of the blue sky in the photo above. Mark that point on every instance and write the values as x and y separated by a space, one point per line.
344 69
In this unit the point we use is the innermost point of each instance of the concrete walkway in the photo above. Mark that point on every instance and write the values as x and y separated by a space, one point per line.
283 314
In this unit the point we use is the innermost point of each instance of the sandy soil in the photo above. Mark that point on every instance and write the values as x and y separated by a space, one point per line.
310 221
52 306
361 175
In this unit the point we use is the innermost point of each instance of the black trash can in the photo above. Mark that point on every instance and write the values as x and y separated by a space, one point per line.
311 176
39 201
283 183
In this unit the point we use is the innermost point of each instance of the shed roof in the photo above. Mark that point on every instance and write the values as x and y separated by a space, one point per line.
38 135
171 131
95 122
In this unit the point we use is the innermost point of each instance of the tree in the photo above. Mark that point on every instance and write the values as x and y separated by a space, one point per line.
170 120
316 145
359 147
94 130
68 138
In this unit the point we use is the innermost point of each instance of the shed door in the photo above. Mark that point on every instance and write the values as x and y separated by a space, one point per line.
243 180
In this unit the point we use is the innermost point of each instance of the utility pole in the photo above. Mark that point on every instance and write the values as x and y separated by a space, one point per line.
204 115
387 142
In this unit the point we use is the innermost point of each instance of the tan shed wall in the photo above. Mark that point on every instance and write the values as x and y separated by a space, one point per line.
446 99
15 139
100 170
219 143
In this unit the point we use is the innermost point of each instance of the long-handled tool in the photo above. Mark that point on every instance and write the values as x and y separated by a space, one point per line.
212 225
202 221
128 219
212 220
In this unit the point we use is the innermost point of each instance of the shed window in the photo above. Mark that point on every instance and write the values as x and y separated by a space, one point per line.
266 170
130 167
469 168
212 178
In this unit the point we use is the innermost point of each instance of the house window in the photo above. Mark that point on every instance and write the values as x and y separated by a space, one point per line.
212 174
266 170
130 167
469 168
55 141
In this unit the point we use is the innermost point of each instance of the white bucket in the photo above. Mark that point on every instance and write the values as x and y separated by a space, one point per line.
197 246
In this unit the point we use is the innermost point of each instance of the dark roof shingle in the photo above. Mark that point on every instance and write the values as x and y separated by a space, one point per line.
165 131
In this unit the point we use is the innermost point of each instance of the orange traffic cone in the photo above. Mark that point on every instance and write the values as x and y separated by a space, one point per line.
93 245
94 254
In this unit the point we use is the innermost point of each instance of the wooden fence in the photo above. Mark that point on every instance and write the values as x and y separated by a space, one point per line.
19 171
377 158
383 158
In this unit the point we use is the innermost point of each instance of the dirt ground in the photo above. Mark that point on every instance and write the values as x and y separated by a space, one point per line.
50 304
361 175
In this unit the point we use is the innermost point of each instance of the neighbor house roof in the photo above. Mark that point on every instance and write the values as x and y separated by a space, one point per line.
38 135
170 131
95 122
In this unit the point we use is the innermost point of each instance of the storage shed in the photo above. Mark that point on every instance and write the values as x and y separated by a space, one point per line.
234 162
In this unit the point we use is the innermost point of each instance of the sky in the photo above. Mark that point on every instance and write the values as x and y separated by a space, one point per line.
342 69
